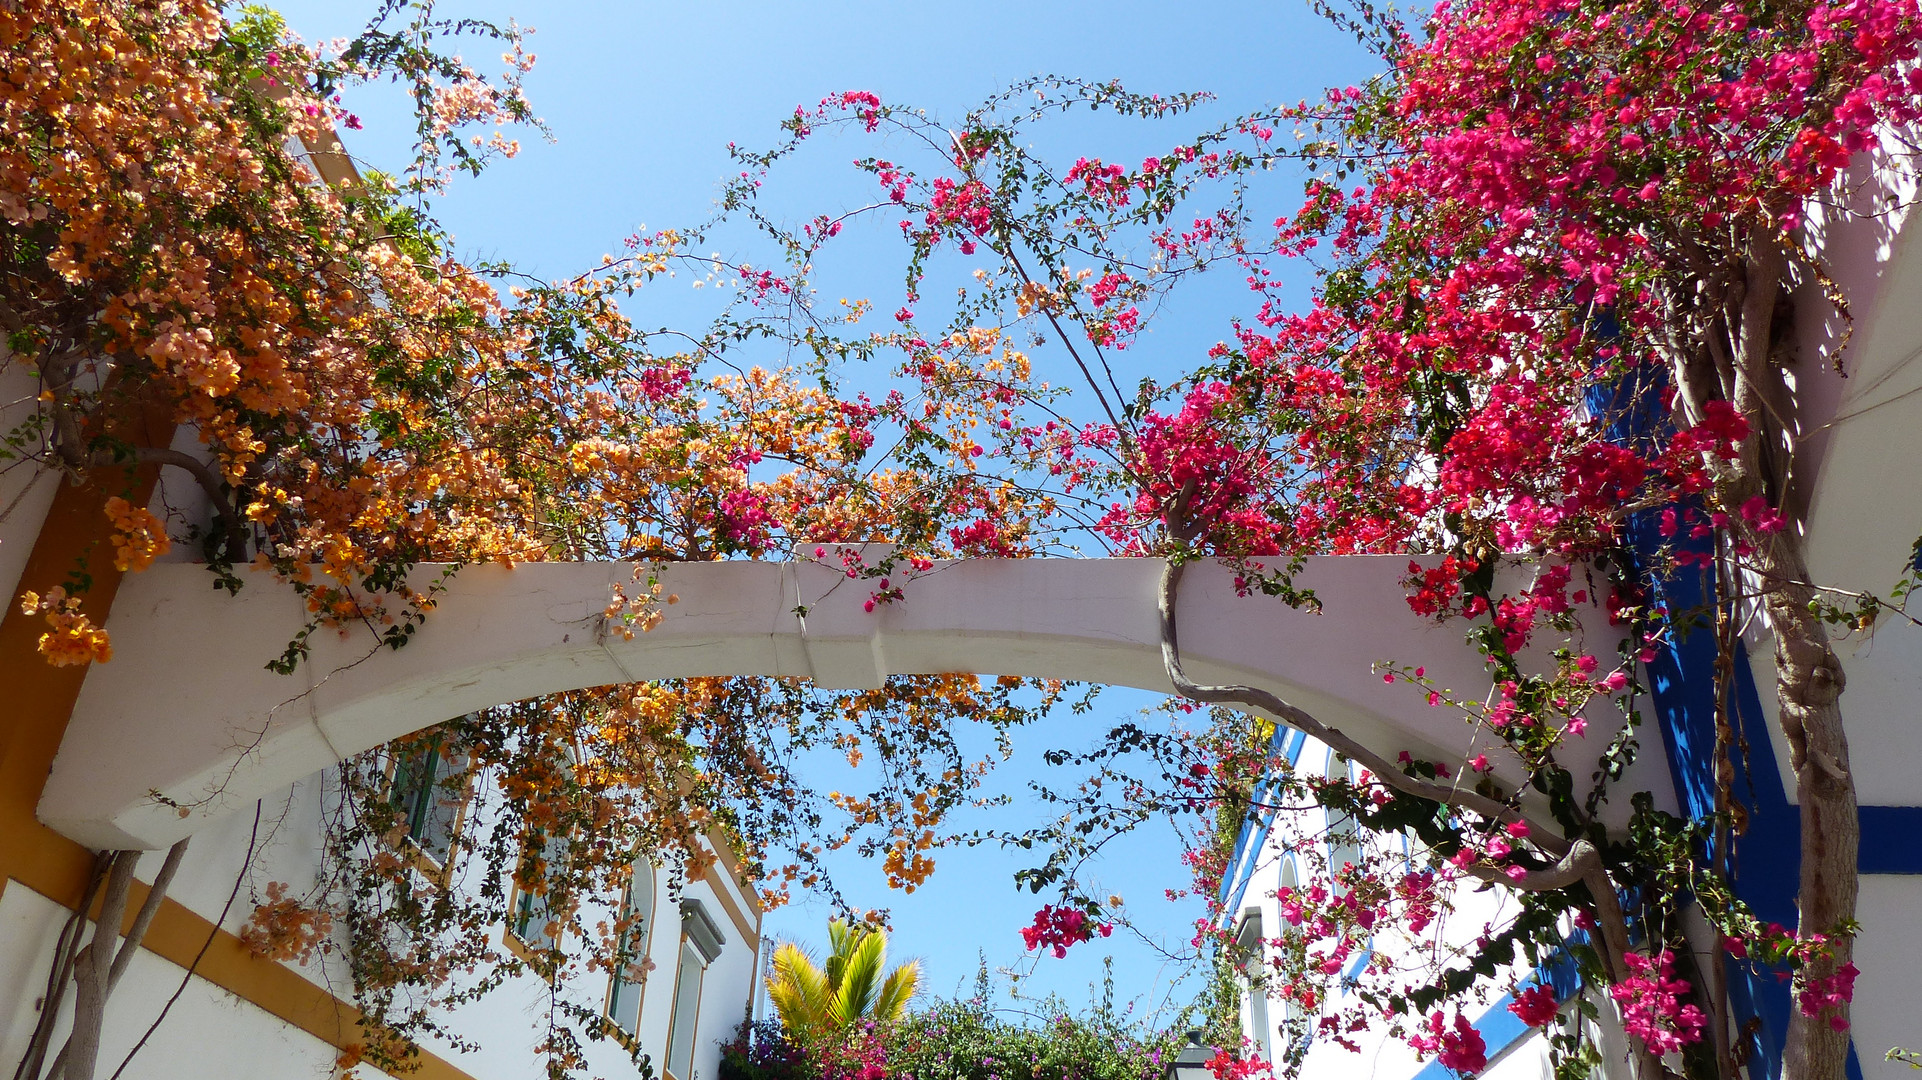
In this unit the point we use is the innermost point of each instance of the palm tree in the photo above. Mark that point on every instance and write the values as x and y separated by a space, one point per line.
814 1003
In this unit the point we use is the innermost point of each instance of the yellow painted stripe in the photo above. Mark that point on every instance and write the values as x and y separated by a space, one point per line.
56 868
725 850
733 908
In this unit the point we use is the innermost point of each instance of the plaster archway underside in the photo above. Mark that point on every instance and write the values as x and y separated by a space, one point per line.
186 723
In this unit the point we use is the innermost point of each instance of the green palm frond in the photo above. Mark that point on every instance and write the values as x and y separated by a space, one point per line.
900 987
842 936
815 1000
800 991
860 977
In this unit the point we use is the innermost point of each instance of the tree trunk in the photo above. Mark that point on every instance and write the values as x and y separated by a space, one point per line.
100 968
1808 675
137 932
1808 684
93 972
66 955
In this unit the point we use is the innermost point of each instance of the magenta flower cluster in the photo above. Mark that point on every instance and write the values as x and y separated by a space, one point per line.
1652 1002
1056 928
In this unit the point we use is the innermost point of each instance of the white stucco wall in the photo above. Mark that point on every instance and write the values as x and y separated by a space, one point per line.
1888 994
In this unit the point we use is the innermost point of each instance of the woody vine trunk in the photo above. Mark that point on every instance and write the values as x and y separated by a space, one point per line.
1808 685
97 969
1737 351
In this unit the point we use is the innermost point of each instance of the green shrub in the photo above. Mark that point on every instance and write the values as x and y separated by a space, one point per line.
969 1040
965 1040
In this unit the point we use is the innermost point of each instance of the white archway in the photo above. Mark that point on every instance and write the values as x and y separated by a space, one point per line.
186 723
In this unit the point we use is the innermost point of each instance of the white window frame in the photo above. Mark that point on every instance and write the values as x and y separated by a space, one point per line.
701 944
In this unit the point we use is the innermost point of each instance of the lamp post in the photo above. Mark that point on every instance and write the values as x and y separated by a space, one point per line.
1192 1062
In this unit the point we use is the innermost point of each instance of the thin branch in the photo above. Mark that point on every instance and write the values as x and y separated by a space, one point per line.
149 907
1047 309
1578 864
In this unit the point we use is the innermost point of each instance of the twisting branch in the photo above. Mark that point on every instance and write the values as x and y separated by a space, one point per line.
1257 698
211 484
149 907
94 969
98 968
203 474
1581 861
1583 864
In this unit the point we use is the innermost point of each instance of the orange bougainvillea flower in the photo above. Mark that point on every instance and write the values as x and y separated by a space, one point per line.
73 640
138 537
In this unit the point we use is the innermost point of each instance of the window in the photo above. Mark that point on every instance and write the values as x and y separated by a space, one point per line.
536 915
1251 961
624 990
1344 832
701 942
429 793
1290 938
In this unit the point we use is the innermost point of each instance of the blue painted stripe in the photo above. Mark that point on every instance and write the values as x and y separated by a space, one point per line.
1362 956
1254 835
1500 1028
1891 840
1766 860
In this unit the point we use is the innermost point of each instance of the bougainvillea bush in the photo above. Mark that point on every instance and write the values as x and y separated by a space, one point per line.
1550 254
965 1040
760 1051
194 278
1557 300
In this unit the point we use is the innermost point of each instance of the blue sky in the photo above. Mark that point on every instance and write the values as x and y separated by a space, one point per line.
643 98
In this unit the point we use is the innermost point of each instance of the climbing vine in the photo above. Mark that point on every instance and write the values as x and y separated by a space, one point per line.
1550 253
